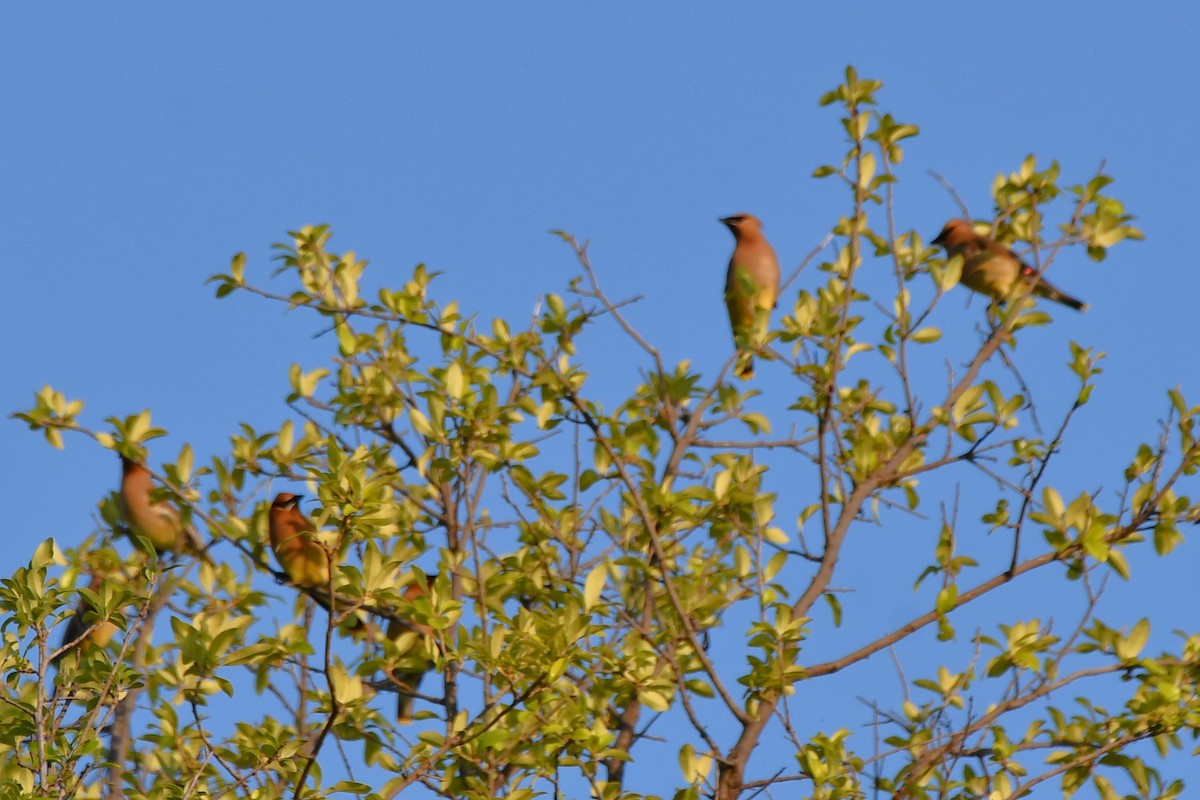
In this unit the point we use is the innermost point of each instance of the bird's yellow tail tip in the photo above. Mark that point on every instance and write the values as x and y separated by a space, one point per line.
744 368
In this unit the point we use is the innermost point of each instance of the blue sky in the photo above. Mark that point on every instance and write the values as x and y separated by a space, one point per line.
141 148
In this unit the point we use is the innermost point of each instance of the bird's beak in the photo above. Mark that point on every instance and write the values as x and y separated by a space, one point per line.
727 221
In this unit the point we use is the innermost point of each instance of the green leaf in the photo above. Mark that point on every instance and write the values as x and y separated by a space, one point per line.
947 599
950 276
866 168
347 342
237 268
654 699
594 585
774 565
420 423
1052 500
927 335
1129 647
835 606
544 412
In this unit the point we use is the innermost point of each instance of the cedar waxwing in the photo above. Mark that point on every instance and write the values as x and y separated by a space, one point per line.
99 632
301 554
157 522
751 289
408 680
992 269
294 540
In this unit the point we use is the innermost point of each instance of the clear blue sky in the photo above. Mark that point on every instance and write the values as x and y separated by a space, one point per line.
142 146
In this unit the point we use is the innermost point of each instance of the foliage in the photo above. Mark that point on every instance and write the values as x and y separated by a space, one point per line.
598 567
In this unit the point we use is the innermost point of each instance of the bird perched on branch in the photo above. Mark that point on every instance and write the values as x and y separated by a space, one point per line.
751 289
414 658
294 540
303 557
157 522
993 269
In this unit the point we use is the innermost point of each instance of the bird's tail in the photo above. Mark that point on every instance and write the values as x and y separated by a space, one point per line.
1052 292
407 684
744 368
404 709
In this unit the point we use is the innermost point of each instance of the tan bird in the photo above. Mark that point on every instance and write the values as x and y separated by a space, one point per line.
87 632
751 289
294 540
157 522
302 556
994 270
414 660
